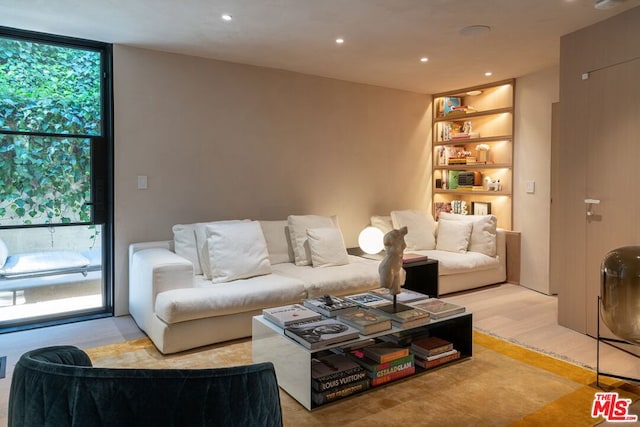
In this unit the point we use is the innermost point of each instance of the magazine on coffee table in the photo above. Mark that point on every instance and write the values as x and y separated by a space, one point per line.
290 314
438 308
405 295
367 299
320 333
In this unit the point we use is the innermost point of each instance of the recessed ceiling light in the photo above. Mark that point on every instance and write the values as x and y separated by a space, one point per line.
607 4
226 17
424 59
340 40
474 92
488 74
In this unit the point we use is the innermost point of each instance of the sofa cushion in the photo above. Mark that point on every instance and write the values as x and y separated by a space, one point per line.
483 234
4 253
420 226
208 299
236 251
455 262
359 275
382 222
202 245
298 225
41 262
453 236
184 244
326 247
276 234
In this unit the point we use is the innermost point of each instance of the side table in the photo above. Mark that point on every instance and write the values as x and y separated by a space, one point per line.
422 276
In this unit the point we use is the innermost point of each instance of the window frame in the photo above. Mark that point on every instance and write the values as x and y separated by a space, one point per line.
102 171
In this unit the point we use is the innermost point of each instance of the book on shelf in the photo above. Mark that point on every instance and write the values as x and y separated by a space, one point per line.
463 109
367 299
405 295
438 308
384 352
406 364
289 314
430 346
366 320
320 398
394 376
427 364
329 305
408 258
405 337
438 356
377 369
335 370
319 333
449 103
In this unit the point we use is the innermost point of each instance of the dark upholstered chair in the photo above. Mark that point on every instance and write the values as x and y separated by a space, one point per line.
57 386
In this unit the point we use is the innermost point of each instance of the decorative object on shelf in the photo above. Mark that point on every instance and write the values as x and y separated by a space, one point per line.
391 273
453 180
620 292
459 207
494 186
370 240
483 153
450 102
441 207
481 208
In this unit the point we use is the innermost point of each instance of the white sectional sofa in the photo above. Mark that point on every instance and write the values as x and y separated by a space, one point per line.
206 285
177 303
470 249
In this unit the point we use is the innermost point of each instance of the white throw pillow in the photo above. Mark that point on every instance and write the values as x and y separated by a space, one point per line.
420 228
298 225
276 234
184 244
384 223
326 246
484 233
202 246
4 253
453 236
236 251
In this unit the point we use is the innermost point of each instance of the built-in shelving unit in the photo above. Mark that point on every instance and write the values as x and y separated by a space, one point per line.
473 150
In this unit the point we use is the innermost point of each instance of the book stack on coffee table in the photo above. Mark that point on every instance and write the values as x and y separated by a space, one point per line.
433 351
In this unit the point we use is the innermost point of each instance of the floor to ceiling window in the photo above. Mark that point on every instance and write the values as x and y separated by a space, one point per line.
56 151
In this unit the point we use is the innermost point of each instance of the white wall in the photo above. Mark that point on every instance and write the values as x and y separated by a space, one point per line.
535 94
220 140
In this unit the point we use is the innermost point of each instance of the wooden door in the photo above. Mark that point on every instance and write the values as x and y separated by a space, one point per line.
613 171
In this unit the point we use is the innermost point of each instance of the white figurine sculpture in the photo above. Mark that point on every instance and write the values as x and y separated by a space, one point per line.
392 275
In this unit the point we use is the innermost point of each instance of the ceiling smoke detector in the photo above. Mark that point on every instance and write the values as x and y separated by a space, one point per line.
607 4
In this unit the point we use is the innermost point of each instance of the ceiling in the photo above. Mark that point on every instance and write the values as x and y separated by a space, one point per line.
384 39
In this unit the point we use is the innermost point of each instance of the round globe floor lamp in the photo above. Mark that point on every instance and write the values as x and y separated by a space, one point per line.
619 302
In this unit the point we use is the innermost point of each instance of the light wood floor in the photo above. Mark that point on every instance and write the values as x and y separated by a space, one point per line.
508 311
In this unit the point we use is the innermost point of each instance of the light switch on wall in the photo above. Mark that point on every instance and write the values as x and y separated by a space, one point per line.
142 182
531 187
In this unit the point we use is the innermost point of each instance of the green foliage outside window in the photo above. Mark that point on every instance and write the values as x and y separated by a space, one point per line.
46 89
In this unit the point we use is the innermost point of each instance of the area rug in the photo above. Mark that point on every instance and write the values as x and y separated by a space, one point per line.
503 384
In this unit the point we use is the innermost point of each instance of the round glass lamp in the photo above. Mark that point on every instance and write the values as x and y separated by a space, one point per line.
620 292
370 240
